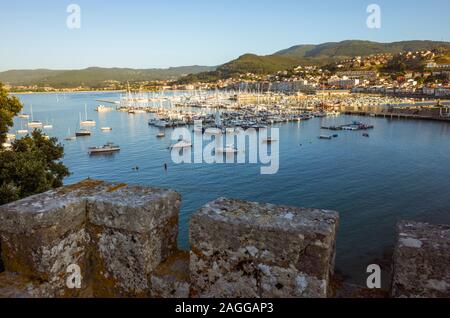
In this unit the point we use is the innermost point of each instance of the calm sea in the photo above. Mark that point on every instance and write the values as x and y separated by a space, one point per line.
401 172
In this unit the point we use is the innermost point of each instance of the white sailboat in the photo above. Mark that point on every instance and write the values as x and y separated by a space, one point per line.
87 122
34 123
70 137
22 131
48 125
22 115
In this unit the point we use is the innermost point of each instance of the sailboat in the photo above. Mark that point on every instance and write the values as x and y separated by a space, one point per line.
34 123
87 122
69 136
22 115
82 132
48 126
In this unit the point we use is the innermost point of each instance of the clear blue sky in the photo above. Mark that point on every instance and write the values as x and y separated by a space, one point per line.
162 33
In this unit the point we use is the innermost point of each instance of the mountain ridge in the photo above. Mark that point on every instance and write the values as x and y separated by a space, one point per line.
305 54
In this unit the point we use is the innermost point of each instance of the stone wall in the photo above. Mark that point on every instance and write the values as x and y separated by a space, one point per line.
123 239
245 249
421 265
116 234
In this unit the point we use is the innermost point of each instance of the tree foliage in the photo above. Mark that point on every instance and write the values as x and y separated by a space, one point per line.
9 107
33 163
32 166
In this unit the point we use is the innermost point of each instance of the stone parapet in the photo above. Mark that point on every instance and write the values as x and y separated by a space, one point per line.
246 249
421 263
116 234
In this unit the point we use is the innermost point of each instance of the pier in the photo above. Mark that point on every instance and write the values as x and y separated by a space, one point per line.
397 115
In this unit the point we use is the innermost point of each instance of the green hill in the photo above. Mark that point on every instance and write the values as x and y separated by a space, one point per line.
94 76
320 55
352 48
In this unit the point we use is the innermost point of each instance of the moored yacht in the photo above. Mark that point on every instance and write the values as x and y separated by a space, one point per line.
87 122
181 144
83 133
107 148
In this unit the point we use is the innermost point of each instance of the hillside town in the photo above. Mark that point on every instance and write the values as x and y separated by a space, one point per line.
421 74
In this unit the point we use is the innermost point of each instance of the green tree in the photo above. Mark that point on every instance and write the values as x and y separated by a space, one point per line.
9 107
32 166
33 163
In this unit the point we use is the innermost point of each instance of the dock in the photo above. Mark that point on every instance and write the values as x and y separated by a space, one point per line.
397 115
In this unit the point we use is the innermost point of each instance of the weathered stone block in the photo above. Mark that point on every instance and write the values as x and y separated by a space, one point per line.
42 235
13 285
246 249
171 278
133 230
421 261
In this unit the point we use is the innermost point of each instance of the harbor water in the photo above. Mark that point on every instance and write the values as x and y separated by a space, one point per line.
400 172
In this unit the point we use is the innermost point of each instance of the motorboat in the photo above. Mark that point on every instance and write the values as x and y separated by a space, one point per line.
107 148
161 135
106 129
325 137
103 109
228 149
35 124
181 144
269 140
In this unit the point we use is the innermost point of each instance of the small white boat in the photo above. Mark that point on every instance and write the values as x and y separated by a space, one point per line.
136 111
213 131
325 137
107 148
103 109
181 144
22 131
23 116
269 140
227 149
87 122
48 126
106 129
35 124
161 135
69 136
